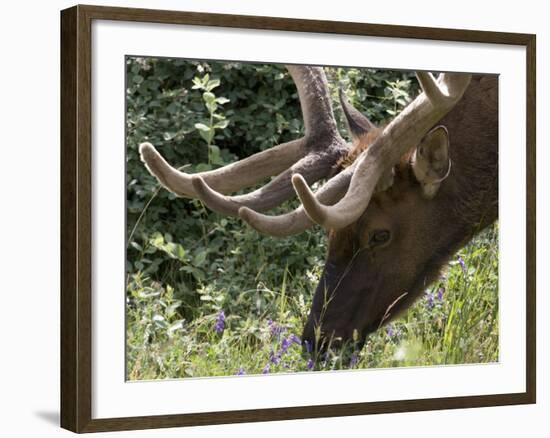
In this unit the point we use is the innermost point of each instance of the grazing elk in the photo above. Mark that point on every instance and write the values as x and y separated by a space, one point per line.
398 202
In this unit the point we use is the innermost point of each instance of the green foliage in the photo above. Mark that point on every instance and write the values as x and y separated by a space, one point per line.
186 264
455 322
206 114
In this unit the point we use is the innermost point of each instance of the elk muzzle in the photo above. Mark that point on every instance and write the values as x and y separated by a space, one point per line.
337 313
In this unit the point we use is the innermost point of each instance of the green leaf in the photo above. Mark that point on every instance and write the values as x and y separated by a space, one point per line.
157 240
202 127
208 97
136 246
222 124
203 167
212 84
197 83
200 257
215 156
207 135
212 107
169 135
176 326
180 252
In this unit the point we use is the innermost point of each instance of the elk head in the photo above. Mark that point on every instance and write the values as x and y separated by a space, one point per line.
384 200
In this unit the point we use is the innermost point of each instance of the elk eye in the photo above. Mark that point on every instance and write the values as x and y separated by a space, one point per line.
379 237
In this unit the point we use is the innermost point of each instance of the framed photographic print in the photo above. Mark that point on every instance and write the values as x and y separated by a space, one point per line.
267 218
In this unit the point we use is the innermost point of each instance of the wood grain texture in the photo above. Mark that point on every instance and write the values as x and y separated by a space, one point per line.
76 224
69 329
76 186
299 25
531 247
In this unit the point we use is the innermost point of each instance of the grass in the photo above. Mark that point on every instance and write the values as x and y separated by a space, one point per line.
231 306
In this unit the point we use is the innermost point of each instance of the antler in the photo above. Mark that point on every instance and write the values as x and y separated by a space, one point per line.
402 134
312 156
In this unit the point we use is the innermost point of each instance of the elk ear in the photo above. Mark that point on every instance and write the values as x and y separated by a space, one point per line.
358 124
430 162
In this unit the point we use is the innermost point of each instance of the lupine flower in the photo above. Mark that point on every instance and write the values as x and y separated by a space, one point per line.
220 322
462 264
285 343
265 369
430 300
353 360
440 292
309 363
240 372
273 358
393 332
274 328
307 344
294 339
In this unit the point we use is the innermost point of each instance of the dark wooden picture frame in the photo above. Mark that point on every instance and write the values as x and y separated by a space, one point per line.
76 218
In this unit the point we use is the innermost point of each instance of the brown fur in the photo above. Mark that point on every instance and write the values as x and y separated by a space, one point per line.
363 143
359 145
362 280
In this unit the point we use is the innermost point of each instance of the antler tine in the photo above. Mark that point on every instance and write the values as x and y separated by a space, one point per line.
226 179
278 190
297 221
366 171
403 133
315 102
357 122
429 85
445 89
322 143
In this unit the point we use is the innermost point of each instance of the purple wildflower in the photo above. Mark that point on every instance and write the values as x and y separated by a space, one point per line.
273 358
294 339
353 360
274 328
265 369
220 322
440 292
309 364
285 343
430 300
393 332
462 264
240 372
307 344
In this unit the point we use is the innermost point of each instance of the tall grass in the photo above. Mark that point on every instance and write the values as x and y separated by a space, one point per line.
246 313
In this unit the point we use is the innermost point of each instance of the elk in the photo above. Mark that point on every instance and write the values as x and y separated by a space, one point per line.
397 203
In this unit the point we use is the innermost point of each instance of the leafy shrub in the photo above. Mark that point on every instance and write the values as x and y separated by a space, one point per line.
206 114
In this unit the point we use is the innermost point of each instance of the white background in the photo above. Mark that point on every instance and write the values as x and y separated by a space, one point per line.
29 78
112 397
